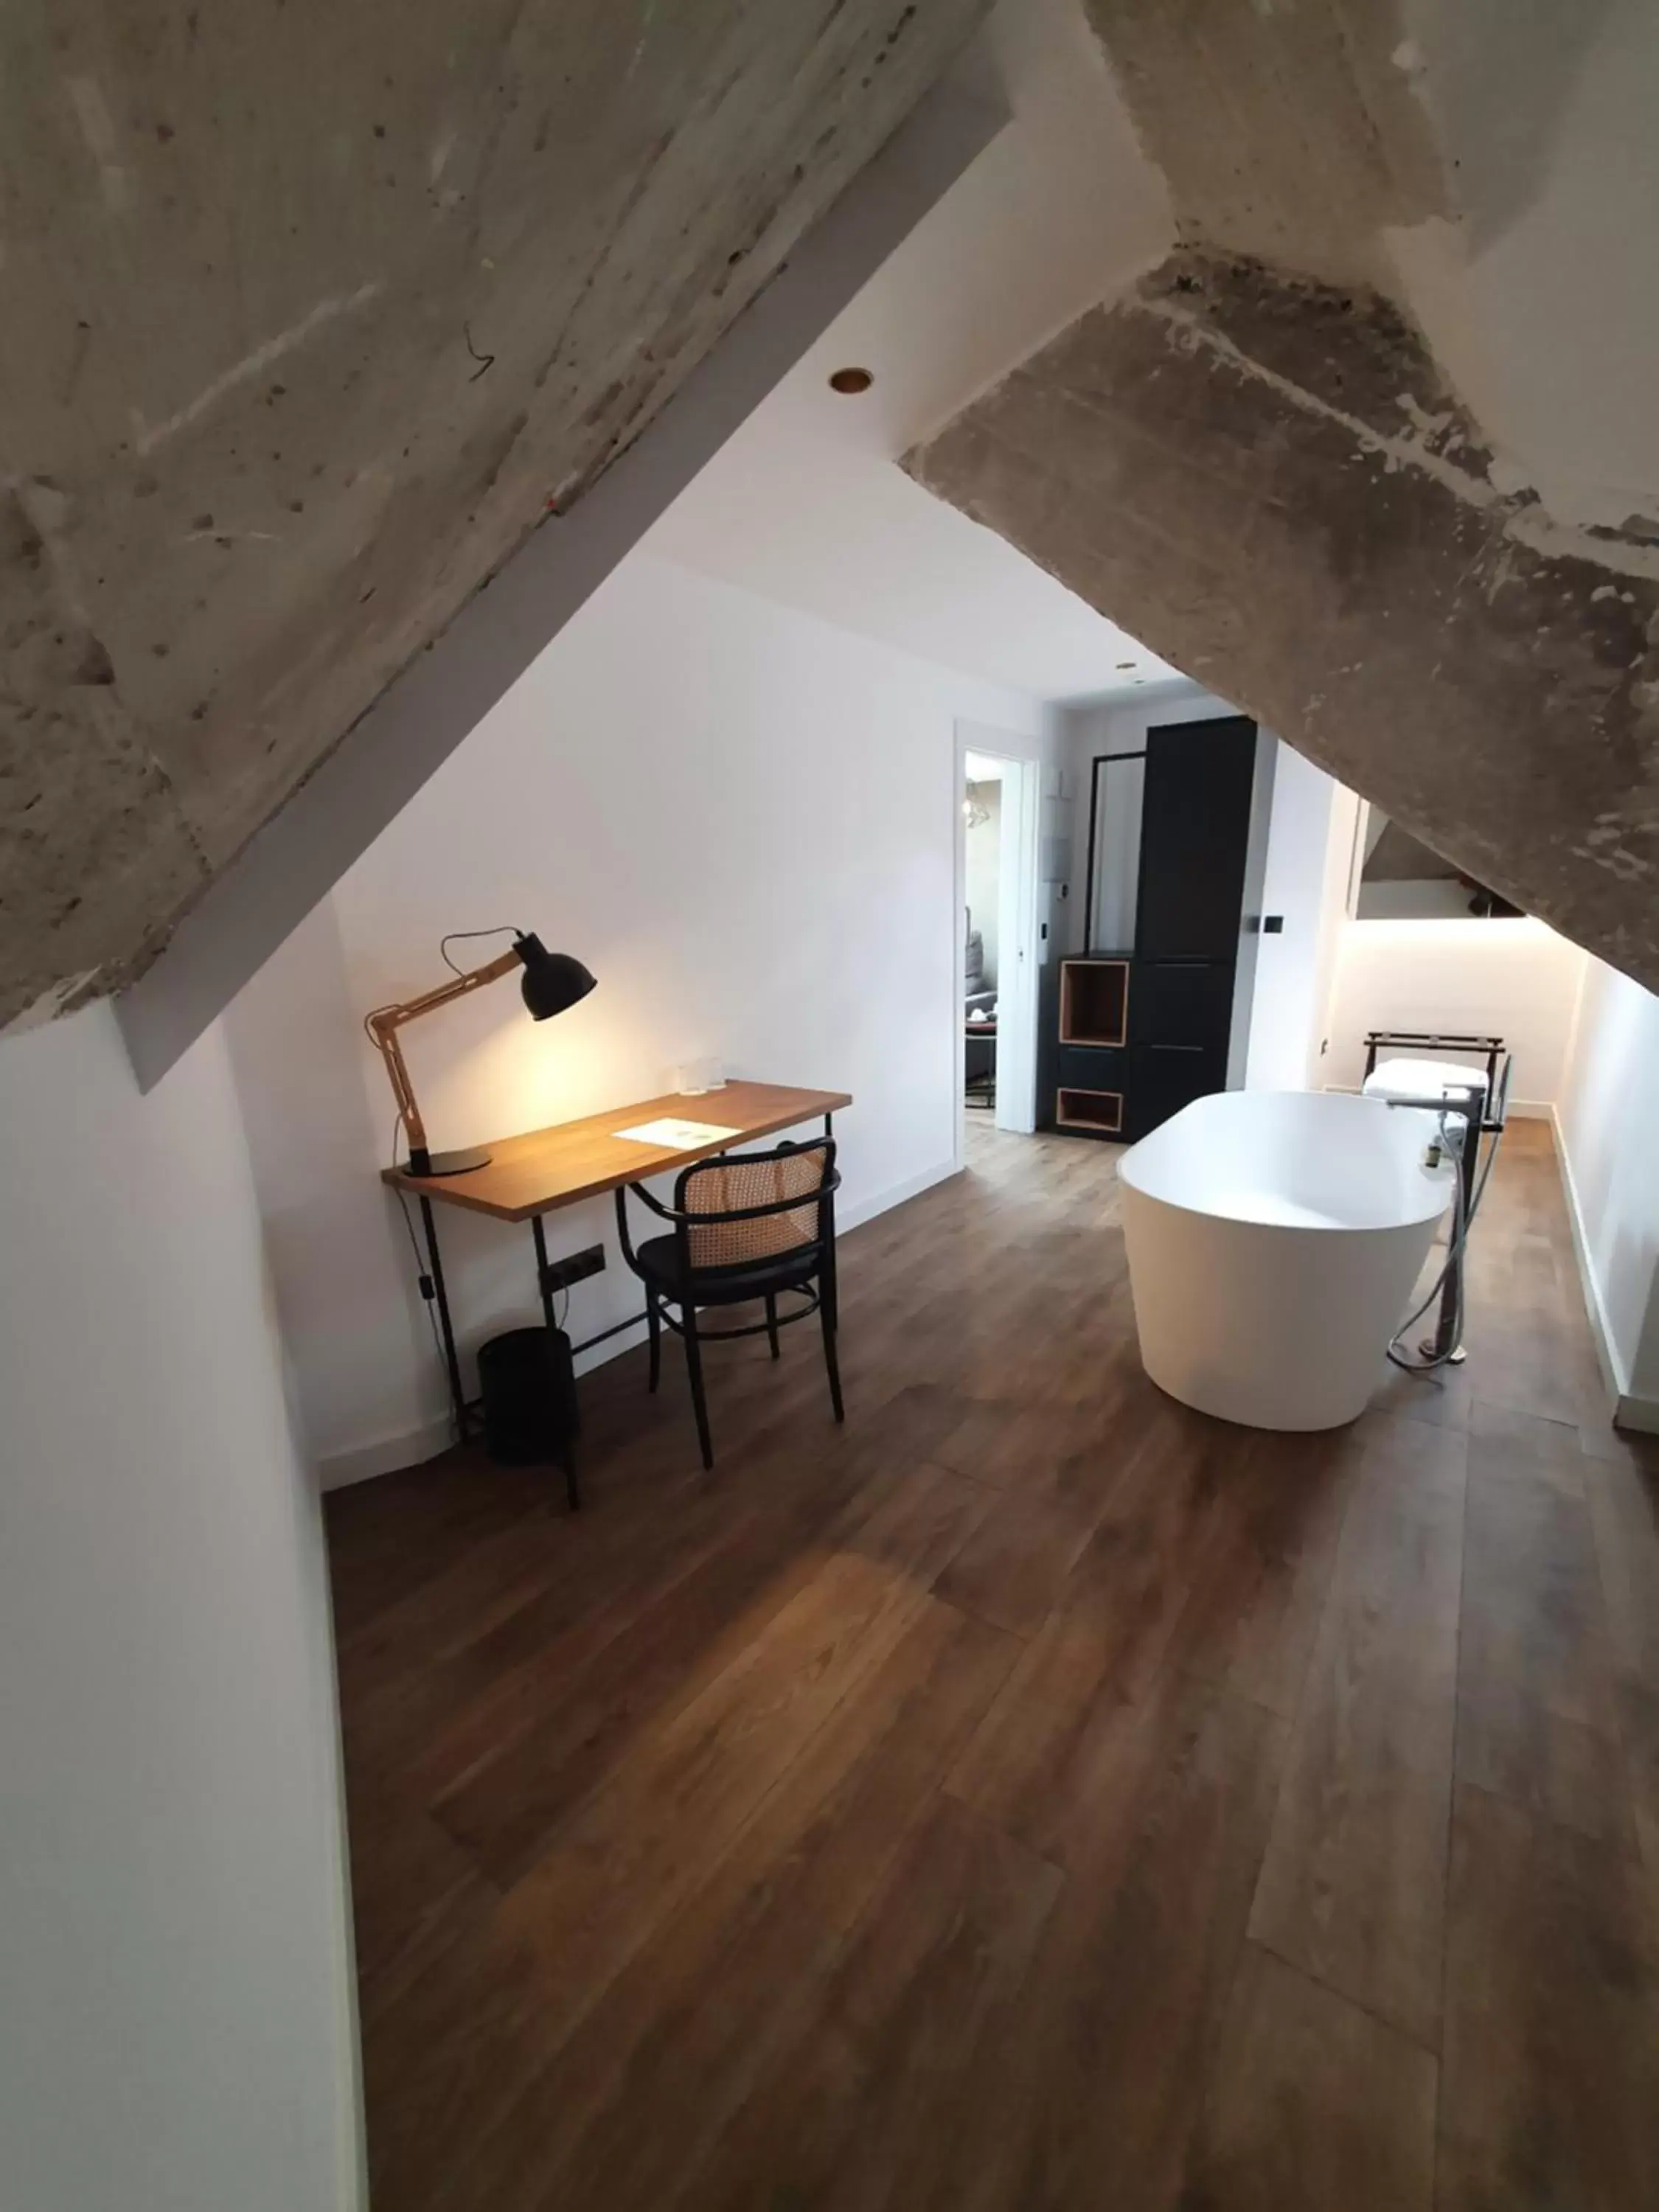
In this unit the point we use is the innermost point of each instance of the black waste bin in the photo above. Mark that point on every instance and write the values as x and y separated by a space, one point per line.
528 1384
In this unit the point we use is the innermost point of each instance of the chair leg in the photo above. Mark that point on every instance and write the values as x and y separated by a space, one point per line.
653 1323
827 1320
693 1369
772 1321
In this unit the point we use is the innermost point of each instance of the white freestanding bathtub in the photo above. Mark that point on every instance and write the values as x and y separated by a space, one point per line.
1274 1239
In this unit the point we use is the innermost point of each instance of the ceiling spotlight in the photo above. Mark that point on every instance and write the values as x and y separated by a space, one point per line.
851 381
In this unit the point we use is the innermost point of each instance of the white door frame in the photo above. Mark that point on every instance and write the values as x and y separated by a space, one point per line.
1017 967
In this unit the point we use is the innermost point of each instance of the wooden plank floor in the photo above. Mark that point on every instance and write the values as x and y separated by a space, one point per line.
1033 1795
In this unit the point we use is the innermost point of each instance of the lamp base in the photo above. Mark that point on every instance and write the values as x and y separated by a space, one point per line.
449 1164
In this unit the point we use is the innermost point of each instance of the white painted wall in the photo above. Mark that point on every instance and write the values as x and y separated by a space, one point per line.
745 822
1341 826
1517 979
1060 211
353 1328
175 2023
1288 1003
1608 1118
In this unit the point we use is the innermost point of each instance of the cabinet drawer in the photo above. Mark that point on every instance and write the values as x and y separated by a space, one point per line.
1094 1067
1183 1001
1170 1077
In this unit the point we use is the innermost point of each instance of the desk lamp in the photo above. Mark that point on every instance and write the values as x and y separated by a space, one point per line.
552 981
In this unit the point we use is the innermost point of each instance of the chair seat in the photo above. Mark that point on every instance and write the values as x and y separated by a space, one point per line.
658 1259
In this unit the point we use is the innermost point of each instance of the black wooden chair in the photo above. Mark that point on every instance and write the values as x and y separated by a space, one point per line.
748 1226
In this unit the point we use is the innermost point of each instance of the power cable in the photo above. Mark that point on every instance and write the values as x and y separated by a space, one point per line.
506 929
427 1288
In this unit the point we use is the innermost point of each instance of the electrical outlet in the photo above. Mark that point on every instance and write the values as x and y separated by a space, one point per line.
576 1268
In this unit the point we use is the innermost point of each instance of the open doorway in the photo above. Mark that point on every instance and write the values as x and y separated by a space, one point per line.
997 799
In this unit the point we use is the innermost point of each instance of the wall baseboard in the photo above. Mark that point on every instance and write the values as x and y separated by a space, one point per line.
898 1193
387 1455
1641 1414
1614 1378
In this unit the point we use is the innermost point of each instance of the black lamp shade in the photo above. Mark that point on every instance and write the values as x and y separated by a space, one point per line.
552 981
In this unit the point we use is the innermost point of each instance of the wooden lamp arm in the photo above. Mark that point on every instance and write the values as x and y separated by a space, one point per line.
384 1024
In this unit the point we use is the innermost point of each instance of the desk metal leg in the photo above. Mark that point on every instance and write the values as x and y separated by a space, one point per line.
445 1328
542 1285
827 1279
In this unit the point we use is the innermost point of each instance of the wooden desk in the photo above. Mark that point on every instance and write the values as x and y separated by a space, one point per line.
537 1174
550 1168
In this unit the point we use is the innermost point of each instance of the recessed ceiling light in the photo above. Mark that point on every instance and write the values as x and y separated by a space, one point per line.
851 381
1126 664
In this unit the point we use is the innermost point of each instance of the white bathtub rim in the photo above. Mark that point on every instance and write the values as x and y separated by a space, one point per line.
1319 1227
1433 1196
1279 1229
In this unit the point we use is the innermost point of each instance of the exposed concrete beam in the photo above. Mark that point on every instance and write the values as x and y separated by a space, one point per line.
1267 481
1293 135
308 317
444 692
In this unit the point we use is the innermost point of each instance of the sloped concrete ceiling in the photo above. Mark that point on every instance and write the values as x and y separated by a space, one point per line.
1272 460
309 314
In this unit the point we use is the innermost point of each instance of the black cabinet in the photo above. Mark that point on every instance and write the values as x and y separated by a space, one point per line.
1194 838
1177 837
1096 1067
1170 1077
1184 1001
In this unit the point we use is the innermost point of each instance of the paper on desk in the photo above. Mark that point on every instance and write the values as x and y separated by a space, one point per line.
670 1135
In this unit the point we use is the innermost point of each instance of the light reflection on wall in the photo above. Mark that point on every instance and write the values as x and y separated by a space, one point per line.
1513 978
482 1068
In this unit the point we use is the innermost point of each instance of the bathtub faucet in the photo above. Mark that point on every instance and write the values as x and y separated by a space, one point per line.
1447 1109
1463 1108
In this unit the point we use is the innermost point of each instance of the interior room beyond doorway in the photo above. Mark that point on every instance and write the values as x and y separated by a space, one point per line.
995 874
